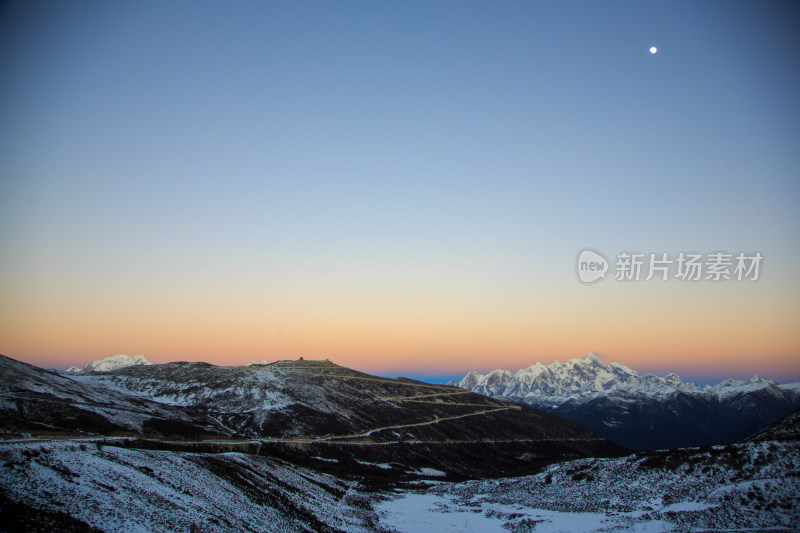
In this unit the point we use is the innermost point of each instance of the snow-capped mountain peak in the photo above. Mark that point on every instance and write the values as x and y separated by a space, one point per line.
559 382
114 362
641 411
589 359
623 368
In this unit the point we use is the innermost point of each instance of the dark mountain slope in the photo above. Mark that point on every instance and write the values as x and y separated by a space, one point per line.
37 400
785 430
300 410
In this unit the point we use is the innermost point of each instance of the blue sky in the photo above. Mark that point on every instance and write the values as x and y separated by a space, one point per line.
342 160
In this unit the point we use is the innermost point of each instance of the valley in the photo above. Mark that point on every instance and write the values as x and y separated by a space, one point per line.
312 446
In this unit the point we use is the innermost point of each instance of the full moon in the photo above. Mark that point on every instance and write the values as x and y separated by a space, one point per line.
653 49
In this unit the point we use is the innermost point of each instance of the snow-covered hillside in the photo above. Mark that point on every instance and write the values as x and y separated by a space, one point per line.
737 487
60 486
75 485
335 412
115 362
385 465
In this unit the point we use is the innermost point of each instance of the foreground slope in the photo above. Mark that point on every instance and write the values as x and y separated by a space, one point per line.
63 486
87 486
299 410
748 486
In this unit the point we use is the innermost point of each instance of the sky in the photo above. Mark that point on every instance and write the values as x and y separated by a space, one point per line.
401 187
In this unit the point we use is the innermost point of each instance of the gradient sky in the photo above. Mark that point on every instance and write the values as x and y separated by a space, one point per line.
402 187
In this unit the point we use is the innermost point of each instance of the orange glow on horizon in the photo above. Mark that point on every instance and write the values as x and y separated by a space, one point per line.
700 329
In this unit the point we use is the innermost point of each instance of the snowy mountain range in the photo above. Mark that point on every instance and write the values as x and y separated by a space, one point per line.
642 411
313 446
585 378
114 362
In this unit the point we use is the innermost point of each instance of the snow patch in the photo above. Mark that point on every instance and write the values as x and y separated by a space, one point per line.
115 362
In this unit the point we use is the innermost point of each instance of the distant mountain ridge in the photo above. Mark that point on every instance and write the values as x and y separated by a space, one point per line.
560 382
115 362
642 411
